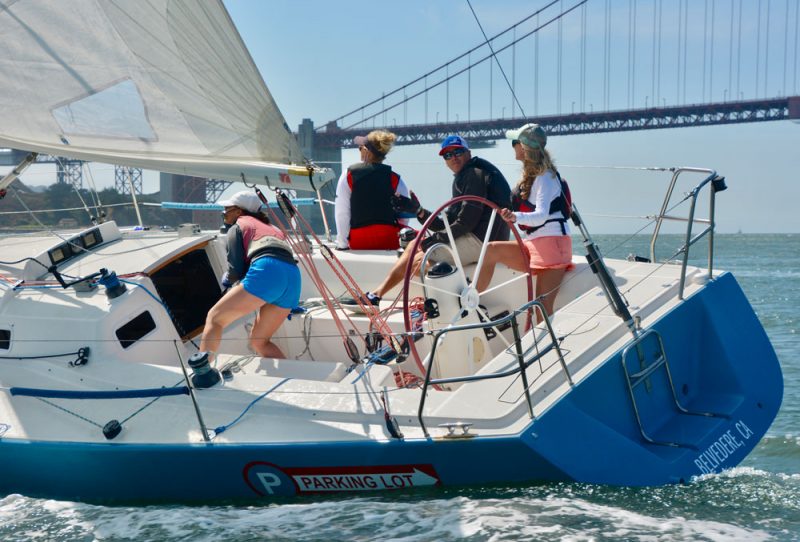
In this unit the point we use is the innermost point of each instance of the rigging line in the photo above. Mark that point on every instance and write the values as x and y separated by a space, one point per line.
607 89
559 58
653 62
730 48
439 68
766 49
583 57
630 47
711 65
794 71
147 404
658 66
685 46
63 409
617 247
28 209
494 55
75 188
82 340
758 50
679 43
425 91
633 59
93 192
785 43
64 209
297 222
705 48
739 53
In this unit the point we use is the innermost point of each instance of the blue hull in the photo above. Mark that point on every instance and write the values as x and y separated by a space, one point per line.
720 359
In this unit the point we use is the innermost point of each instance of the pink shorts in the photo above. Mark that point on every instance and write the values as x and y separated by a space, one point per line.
552 252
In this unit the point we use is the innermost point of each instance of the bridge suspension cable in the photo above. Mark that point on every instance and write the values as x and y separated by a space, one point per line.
450 75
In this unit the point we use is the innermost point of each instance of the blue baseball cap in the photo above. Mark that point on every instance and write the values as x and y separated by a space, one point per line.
453 142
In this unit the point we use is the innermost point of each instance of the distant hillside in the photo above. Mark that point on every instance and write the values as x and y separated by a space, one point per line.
14 214
63 196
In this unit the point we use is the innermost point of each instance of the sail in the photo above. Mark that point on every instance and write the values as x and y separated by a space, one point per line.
165 85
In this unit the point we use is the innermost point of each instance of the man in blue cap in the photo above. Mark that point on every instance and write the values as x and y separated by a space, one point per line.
469 221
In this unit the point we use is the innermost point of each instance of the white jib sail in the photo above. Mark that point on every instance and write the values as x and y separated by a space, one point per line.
165 85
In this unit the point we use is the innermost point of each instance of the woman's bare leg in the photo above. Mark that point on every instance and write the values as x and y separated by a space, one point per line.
548 282
505 252
233 305
269 319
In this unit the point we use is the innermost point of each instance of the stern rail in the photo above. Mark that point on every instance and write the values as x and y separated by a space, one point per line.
518 353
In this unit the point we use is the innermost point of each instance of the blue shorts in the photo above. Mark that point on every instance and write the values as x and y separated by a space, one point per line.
274 281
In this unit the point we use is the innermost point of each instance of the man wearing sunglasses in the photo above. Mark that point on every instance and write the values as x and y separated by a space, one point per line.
469 221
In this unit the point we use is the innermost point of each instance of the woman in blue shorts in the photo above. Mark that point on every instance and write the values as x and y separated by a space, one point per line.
260 257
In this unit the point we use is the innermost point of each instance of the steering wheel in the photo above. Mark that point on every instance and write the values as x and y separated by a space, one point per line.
468 297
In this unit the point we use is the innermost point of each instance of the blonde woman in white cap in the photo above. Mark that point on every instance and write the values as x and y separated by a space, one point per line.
540 209
261 259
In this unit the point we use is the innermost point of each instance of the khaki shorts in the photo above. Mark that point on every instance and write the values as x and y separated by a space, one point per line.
468 247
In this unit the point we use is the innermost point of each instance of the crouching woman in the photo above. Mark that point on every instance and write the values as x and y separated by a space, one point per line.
261 259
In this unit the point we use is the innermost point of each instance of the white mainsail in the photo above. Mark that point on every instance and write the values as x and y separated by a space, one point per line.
165 85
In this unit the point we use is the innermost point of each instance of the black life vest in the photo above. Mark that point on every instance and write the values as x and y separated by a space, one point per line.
562 204
371 190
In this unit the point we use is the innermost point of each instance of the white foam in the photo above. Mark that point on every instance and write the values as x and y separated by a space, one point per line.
519 517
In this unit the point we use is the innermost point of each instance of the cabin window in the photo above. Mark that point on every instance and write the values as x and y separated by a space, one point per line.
188 287
5 339
134 330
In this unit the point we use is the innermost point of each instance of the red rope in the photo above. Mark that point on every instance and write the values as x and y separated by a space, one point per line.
300 228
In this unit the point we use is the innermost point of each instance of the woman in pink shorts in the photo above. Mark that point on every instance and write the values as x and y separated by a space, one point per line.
540 209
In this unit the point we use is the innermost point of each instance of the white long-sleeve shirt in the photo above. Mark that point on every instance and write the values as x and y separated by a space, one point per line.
544 190
342 208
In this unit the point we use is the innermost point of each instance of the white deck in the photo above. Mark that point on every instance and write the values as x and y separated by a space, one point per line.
310 397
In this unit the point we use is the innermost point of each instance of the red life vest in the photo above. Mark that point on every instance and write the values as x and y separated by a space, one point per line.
371 189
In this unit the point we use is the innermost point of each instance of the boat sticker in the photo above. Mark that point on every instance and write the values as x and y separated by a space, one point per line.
268 479
712 458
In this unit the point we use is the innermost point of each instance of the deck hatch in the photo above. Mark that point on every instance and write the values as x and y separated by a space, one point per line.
134 330
188 287
5 339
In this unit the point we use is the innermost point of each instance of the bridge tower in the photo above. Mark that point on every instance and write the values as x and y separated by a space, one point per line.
69 171
324 155
125 177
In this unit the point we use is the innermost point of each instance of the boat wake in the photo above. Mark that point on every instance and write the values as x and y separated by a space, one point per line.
550 513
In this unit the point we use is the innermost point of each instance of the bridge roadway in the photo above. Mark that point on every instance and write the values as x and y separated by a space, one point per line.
331 137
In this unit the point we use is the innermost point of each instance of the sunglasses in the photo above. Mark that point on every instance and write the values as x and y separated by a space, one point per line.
450 154
514 142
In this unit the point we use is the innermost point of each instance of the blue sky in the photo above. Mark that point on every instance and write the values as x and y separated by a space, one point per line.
322 59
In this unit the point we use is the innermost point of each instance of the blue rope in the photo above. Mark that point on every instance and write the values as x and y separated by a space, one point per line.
369 364
151 294
223 428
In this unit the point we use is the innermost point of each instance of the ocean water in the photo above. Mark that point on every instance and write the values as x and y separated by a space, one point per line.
759 500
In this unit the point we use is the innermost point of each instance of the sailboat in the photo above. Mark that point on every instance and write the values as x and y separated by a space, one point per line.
647 373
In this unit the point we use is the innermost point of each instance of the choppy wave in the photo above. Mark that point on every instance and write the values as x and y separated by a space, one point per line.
524 514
